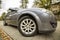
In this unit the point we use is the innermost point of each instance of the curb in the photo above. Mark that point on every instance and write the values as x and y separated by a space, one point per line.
4 35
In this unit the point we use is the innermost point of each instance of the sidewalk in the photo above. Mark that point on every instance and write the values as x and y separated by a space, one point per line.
4 36
0 37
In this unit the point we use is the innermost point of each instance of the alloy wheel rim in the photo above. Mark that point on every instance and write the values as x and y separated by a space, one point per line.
28 26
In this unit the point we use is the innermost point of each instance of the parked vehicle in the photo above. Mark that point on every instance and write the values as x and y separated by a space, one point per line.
31 21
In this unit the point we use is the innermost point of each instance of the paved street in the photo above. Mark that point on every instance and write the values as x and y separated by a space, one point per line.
0 38
14 33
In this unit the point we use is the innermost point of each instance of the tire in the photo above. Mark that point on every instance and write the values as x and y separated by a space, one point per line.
5 24
26 29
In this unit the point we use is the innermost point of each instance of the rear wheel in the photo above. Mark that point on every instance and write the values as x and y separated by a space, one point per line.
5 24
27 26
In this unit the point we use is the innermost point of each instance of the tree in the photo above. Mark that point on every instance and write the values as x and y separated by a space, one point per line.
24 3
3 15
42 3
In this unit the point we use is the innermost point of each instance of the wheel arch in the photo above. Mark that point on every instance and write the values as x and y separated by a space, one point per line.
26 14
33 15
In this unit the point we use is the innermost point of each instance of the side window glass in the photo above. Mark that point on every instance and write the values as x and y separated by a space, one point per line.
13 11
9 12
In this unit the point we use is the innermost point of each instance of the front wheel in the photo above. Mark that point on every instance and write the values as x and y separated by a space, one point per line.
27 26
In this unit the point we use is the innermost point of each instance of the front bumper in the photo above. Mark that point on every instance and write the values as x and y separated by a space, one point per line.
48 26
47 30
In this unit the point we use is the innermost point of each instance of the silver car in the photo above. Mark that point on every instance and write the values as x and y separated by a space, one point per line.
31 21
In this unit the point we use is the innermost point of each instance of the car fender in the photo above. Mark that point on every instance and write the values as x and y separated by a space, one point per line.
38 21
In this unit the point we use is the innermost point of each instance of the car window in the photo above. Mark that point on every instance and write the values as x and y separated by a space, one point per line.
10 12
13 11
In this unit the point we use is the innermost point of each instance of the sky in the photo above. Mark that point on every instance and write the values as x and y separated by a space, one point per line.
6 4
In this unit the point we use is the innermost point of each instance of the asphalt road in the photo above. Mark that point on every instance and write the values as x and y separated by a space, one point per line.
14 33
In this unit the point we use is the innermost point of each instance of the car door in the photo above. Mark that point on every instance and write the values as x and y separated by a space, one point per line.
13 17
8 17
